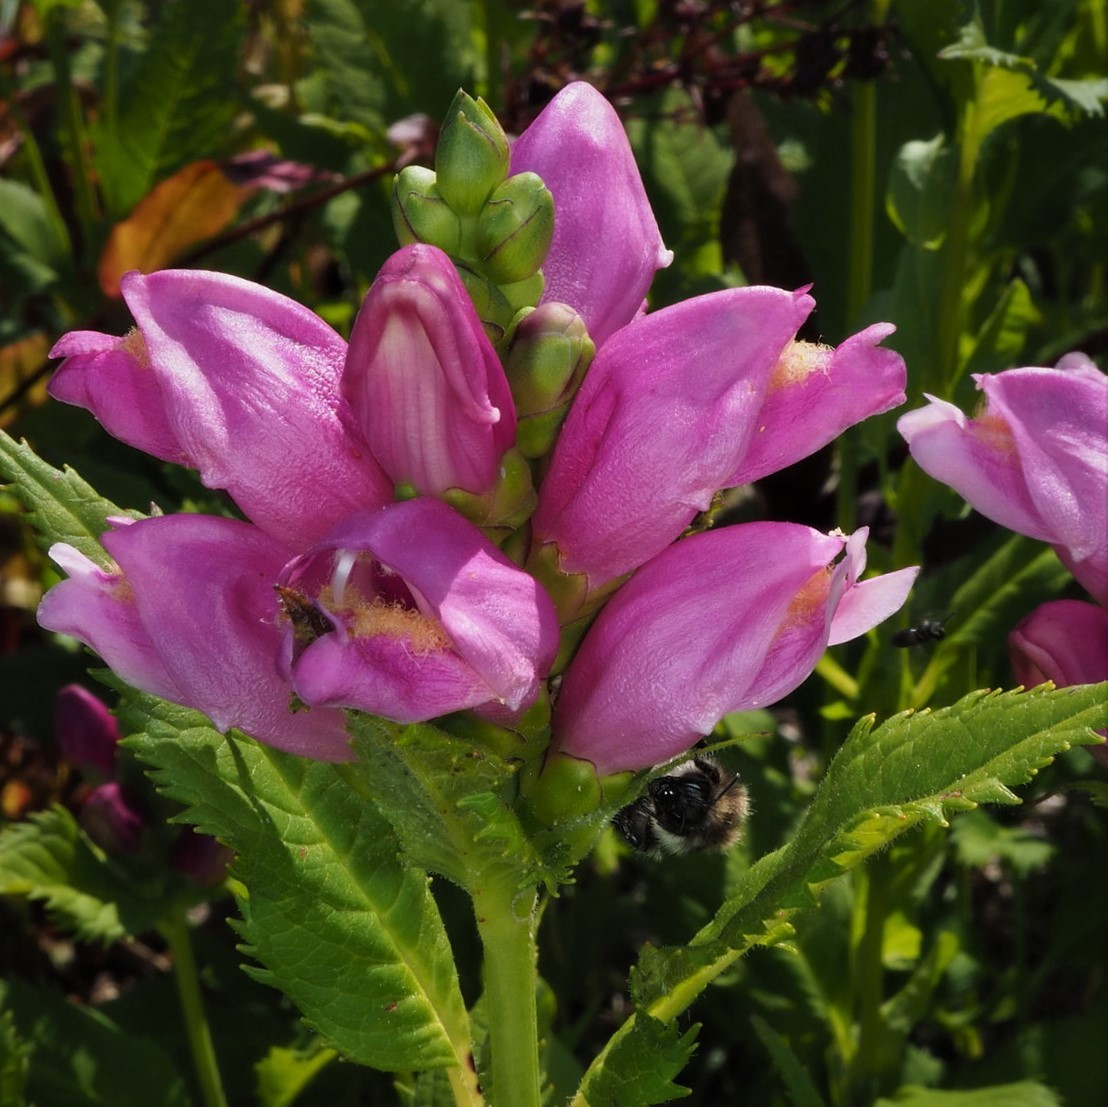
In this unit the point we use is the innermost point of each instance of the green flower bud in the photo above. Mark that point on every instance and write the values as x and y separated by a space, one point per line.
515 229
565 789
472 155
493 308
420 214
506 506
548 354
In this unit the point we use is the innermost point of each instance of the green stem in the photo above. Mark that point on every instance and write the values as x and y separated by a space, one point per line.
175 929
507 922
863 198
493 45
837 677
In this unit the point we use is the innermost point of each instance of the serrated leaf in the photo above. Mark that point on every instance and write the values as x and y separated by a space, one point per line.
443 795
48 858
78 1056
14 1063
977 840
802 1089
916 767
1027 1093
340 925
60 505
193 204
175 107
638 1068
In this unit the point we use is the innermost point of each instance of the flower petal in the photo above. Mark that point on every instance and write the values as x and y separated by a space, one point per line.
816 393
234 380
606 245
191 616
664 417
422 384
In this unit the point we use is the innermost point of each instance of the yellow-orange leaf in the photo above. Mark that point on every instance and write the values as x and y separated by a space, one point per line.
22 379
193 204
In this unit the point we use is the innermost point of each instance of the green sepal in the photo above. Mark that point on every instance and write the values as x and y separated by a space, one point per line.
506 506
420 214
492 306
515 228
471 158
524 294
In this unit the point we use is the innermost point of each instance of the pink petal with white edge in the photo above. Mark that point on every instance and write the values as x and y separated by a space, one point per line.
606 245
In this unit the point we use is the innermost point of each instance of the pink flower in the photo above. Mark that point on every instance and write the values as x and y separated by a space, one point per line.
691 399
234 380
1065 641
86 730
422 385
606 245
1034 460
724 621
410 612
111 819
189 614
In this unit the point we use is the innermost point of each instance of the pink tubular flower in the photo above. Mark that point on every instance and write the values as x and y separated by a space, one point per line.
189 614
422 384
1065 641
1035 460
86 730
689 400
724 621
236 381
606 245
111 819
410 612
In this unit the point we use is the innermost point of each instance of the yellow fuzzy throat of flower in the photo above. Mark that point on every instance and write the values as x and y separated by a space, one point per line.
376 618
798 361
134 344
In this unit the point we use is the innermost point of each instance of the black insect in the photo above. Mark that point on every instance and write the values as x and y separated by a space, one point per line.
927 630
699 805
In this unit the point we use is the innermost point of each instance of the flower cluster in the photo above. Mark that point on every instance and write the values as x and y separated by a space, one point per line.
436 512
1035 460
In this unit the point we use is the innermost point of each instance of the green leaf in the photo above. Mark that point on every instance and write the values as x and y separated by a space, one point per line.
444 797
60 505
29 248
49 858
921 187
978 840
1027 1093
801 1087
347 931
14 1063
77 1056
637 1069
284 1073
176 105
915 768
1002 338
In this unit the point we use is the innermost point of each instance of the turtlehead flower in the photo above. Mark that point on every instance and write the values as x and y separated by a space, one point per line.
724 621
1035 459
410 612
188 613
234 380
1064 641
111 819
422 385
691 399
86 730
606 246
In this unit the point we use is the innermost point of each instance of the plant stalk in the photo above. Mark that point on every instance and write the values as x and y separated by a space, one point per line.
175 929
507 923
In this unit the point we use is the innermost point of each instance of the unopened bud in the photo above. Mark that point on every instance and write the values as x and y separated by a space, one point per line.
492 306
111 820
420 214
472 155
506 506
548 355
515 228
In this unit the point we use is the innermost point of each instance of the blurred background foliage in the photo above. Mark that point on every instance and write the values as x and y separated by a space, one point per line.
938 163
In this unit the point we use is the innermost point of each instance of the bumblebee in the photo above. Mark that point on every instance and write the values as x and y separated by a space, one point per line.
698 805
927 630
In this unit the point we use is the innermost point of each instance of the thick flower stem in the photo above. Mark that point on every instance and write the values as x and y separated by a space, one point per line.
506 922
175 930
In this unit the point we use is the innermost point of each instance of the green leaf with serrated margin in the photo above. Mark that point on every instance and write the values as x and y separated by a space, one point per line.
14 1063
49 858
638 1068
802 1089
175 105
915 767
342 927
1027 1093
60 505
79 1056
445 798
